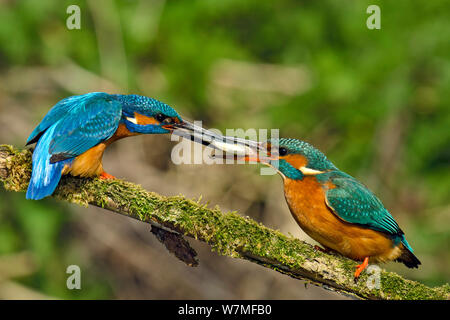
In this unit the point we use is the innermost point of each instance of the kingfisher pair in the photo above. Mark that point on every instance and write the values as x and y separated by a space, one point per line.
332 207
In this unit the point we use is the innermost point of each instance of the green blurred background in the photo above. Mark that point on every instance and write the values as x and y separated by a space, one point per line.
375 101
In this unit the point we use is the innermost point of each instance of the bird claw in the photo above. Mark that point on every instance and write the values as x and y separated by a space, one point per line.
106 176
324 250
361 267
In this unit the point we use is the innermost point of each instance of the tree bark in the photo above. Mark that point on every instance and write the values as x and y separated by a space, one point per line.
227 233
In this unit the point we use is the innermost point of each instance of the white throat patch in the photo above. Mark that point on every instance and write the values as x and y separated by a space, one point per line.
133 120
309 171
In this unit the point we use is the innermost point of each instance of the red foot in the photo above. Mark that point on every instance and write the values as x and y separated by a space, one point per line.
321 249
361 267
105 176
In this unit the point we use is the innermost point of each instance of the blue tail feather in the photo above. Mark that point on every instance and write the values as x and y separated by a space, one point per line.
407 256
406 244
45 176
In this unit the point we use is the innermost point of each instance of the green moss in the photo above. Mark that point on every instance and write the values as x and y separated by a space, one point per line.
228 233
18 165
395 287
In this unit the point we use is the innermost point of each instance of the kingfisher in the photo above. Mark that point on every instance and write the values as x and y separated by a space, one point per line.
332 207
74 134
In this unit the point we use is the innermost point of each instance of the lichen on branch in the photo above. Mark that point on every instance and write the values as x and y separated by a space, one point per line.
228 233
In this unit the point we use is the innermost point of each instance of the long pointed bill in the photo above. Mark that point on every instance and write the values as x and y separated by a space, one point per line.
232 147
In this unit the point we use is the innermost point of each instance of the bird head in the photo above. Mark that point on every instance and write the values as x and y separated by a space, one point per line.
294 158
147 115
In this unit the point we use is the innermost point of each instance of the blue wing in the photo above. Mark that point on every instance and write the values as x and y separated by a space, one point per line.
68 130
353 202
91 122
59 111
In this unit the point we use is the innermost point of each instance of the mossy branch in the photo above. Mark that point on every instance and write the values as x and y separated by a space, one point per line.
227 233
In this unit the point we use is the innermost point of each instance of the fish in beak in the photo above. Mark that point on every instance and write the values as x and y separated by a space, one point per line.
230 147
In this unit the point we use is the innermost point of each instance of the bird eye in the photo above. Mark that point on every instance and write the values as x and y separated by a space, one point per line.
160 117
282 151
167 120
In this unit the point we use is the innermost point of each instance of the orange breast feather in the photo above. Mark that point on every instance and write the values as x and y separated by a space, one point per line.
89 163
306 200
